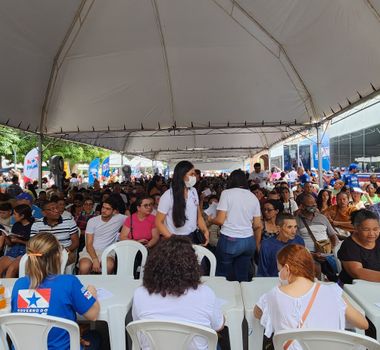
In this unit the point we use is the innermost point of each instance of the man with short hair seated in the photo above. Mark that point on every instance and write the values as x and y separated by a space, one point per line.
64 229
287 234
101 231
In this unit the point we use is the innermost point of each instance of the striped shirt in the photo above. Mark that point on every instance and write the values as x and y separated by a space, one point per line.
62 230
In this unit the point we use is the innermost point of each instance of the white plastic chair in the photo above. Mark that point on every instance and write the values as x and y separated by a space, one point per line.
21 269
314 339
204 252
30 331
169 335
335 251
126 252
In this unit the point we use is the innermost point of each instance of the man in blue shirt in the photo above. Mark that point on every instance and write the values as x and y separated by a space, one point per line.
351 179
303 177
287 226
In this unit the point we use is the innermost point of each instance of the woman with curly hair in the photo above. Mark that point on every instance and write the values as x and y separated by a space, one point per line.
172 290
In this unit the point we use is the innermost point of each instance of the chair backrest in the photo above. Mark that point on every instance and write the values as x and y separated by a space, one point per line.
314 339
335 251
21 269
203 252
126 252
30 331
169 335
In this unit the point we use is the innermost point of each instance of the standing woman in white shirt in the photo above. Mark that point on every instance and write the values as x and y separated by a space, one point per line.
286 305
238 210
178 212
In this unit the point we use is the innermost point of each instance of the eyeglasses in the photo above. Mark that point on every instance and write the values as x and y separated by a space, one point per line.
147 205
268 209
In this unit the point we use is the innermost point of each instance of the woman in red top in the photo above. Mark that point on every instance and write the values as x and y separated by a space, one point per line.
140 226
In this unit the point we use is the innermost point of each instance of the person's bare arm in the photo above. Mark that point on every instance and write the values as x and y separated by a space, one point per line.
160 224
202 226
221 216
258 230
344 225
356 270
74 242
354 317
155 238
257 312
124 233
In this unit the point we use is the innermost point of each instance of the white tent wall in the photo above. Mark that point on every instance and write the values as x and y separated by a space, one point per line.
135 75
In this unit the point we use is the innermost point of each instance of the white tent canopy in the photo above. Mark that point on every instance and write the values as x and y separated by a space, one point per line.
191 78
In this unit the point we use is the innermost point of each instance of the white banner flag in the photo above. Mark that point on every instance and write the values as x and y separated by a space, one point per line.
31 164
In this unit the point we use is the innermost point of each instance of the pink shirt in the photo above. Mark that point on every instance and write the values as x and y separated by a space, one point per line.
140 229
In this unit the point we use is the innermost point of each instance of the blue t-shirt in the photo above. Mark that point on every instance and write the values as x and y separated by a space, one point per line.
59 295
268 255
351 180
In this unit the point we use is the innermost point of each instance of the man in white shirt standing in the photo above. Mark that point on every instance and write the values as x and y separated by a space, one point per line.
259 176
101 231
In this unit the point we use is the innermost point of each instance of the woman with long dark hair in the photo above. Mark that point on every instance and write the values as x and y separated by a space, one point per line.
178 211
238 210
324 200
154 186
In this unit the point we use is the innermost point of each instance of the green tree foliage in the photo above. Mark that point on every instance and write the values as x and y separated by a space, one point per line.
23 142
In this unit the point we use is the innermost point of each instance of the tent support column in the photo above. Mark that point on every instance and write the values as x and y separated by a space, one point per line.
40 154
319 142
121 166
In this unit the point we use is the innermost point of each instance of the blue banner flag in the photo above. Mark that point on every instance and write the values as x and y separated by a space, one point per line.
106 167
93 171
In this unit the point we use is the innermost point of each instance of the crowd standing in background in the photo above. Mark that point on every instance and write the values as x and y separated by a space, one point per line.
251 222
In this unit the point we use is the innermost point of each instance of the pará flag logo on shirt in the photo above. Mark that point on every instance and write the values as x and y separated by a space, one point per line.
33 300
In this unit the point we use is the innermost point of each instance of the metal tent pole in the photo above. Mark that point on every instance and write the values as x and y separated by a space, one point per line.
319 142
40 154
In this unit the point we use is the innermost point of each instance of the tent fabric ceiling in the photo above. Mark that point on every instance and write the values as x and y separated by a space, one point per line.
161 77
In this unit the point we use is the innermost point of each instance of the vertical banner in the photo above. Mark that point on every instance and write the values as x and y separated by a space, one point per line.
106 167
31 165
93 171
66 169
325 152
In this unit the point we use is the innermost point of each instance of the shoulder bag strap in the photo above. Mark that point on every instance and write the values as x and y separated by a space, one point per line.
131 228
306 313
308 230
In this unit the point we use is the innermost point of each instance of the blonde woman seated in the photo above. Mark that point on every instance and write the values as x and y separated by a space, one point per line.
44 291
284 307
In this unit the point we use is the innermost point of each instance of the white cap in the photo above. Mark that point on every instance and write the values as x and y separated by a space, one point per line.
357 189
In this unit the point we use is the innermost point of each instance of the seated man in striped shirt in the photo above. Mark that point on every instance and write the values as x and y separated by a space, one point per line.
64 229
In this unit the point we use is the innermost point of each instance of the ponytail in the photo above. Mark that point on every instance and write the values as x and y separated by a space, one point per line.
44 258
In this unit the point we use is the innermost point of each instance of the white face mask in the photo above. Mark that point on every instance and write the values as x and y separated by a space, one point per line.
191 182
282 282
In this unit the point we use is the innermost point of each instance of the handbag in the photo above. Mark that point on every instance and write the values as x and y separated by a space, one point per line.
324 246
198 237
131 228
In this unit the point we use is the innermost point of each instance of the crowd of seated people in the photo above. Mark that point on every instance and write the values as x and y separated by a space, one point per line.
254 221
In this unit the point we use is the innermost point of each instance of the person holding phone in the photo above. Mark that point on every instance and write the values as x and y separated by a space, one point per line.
16 240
